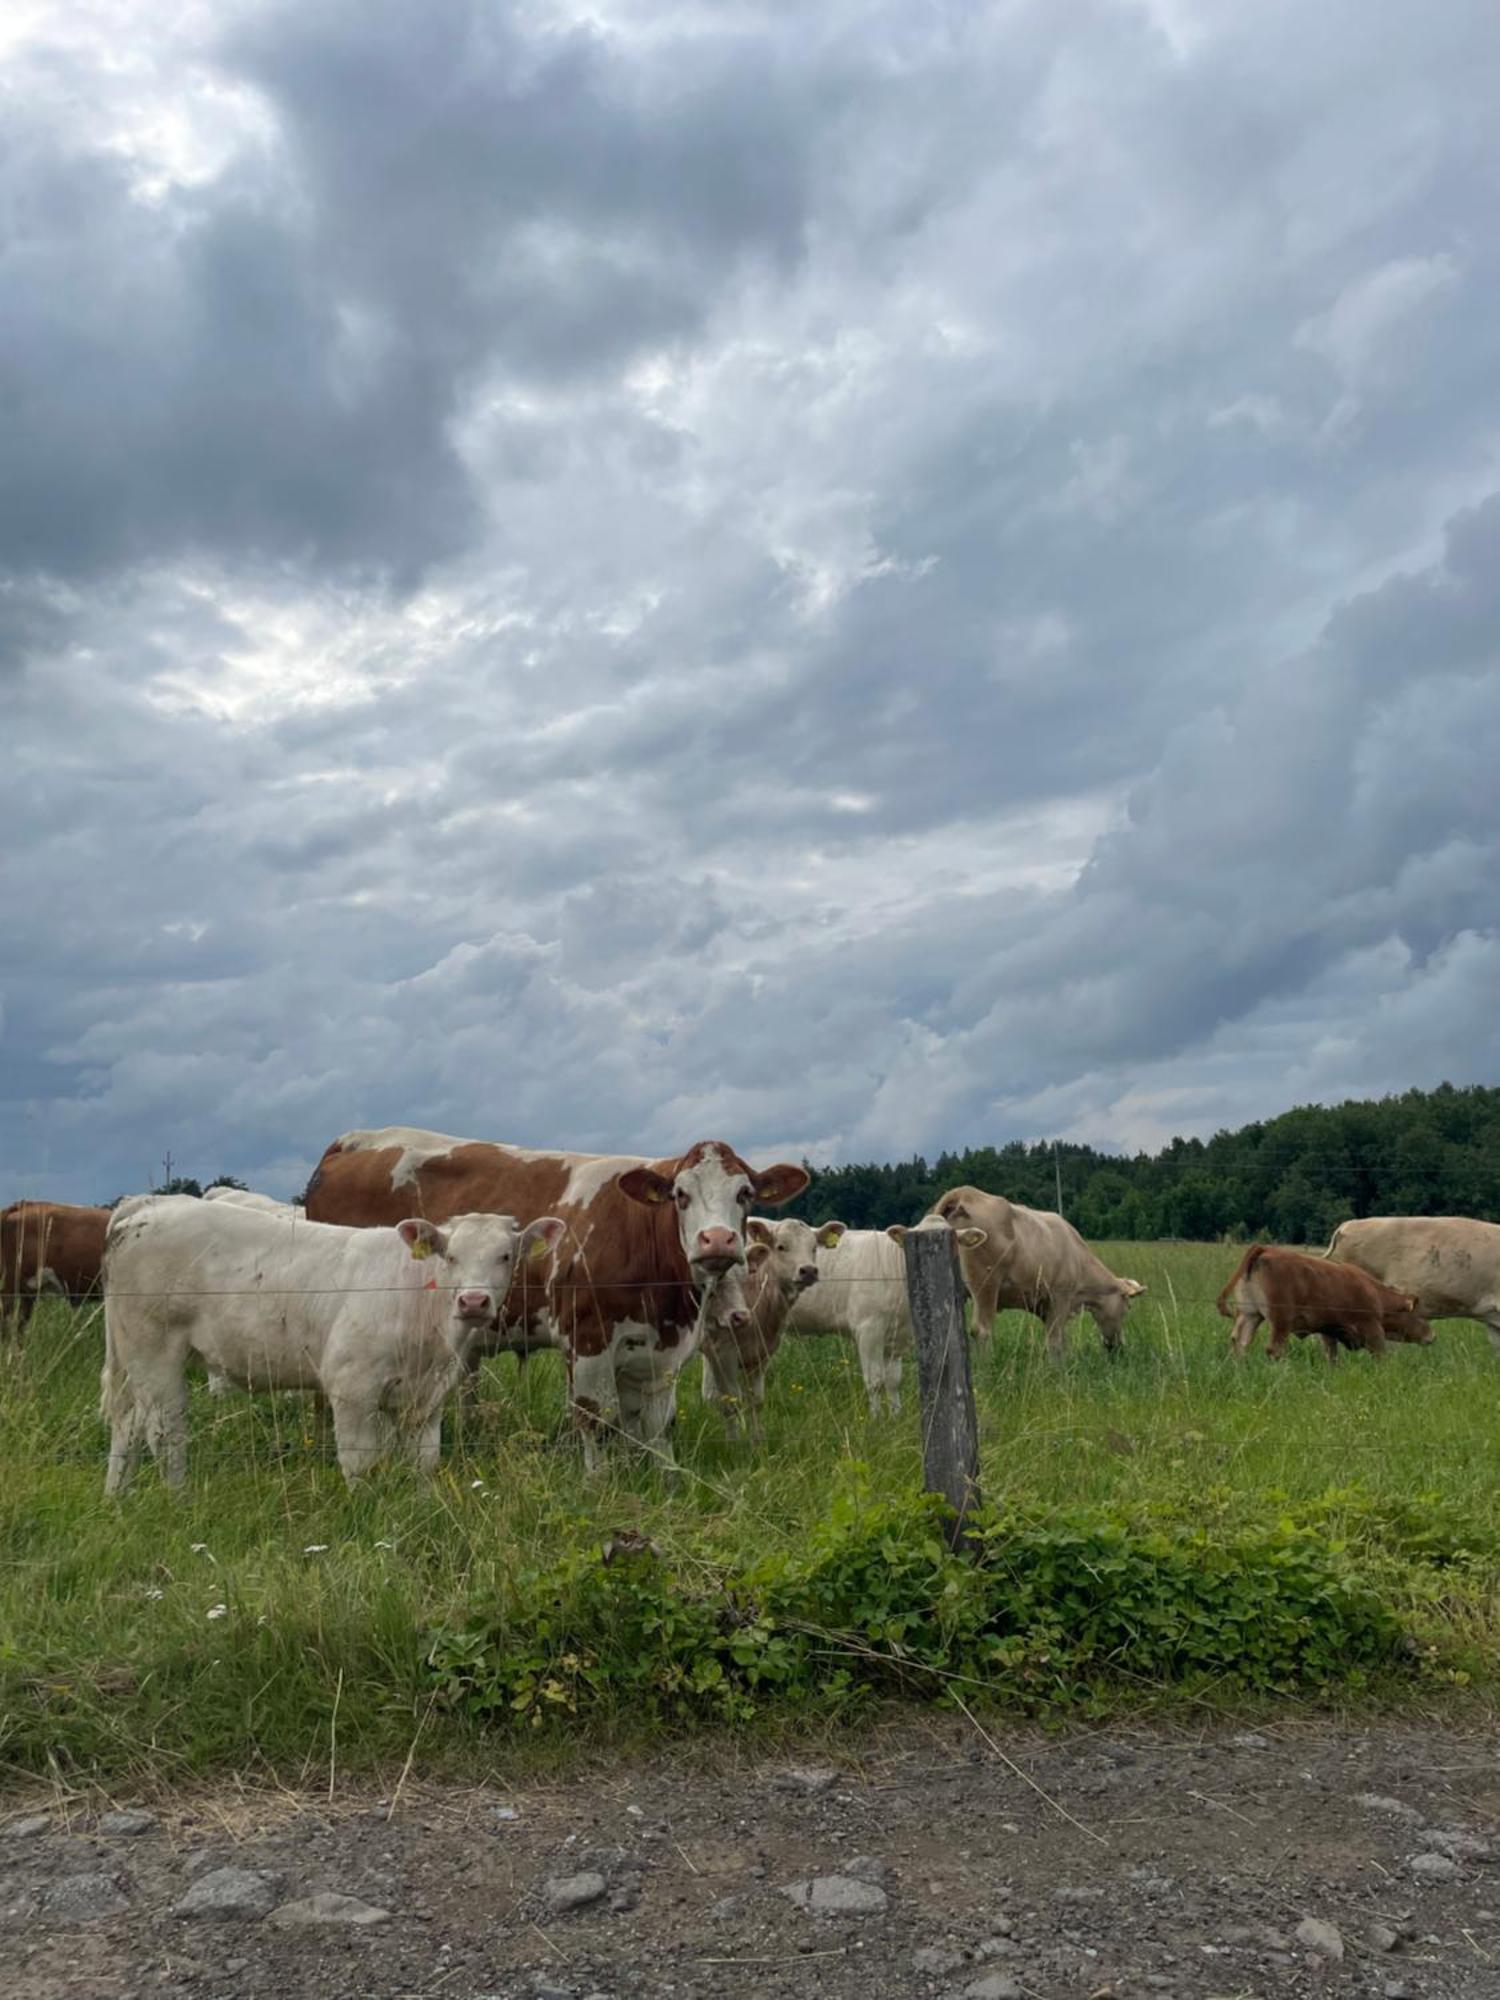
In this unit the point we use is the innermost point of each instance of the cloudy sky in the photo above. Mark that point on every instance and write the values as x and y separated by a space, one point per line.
852 577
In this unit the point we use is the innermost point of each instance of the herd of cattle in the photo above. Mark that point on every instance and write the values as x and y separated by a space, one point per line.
416 1255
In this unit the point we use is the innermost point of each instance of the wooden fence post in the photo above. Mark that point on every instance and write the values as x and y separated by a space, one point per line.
950 1429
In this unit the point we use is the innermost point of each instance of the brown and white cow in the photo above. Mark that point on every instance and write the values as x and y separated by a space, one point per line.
742 1326
1293 1292
1449 1263
642 1239
49 1246
1032 1260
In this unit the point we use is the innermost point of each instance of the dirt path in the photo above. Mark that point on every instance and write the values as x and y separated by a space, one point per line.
1119 1864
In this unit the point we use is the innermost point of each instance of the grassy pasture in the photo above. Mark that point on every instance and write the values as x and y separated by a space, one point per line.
272 1622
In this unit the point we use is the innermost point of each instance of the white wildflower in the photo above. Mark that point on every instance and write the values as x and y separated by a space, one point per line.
218 1611
316 1549
385 1545
155 1596
202 1549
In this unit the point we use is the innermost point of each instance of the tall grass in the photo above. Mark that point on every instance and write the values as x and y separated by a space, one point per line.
117 1663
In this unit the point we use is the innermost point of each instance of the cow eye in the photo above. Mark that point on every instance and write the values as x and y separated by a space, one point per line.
682 1200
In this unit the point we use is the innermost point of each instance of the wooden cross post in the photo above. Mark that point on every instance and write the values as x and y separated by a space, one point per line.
950 1428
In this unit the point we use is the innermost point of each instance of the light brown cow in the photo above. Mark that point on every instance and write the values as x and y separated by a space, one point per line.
621 1296
1293 1292
1032 1260
49 1246
1449 1263
743 1326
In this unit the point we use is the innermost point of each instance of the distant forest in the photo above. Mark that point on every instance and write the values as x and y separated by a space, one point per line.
1292 1178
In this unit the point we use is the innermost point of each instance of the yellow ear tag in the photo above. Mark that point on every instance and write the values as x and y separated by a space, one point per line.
538 1250
421 1248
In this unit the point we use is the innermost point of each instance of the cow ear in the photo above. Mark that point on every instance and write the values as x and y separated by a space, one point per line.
421 1237
897 1232
830 1234
758 1230
757 1253
538 1237
972 1238
645 1185
774 1185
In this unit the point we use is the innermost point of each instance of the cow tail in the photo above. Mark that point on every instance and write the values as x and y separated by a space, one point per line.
1227 1303
116 1397
1333 1242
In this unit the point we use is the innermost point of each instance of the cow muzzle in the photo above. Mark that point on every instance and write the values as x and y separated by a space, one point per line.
474 1306
717 1251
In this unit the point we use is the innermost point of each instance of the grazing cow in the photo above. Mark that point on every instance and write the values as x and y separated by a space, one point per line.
742 1327
49 1246
621 1298
1449 1263
265 1204
1031 1260
1296 1293
379 1321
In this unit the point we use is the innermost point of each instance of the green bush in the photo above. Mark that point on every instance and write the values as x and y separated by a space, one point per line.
1048 1610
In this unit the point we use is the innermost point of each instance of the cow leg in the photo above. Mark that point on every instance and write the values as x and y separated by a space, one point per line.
1276 1346
127 1434
755 1396
1331 1349
653 1424
1243 1332
1491 1324
166 1433
986 1304
595 1401
1057 1334
359 1432
874 1369
724 1388
427 1441
892 1373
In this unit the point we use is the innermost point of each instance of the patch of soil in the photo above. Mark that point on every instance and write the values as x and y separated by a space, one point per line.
1239 1865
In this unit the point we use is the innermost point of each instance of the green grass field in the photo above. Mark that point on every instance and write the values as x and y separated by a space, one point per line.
270 1621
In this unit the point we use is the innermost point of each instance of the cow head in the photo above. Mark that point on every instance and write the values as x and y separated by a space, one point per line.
792 1249
1402 1321
474 1258
968 1239
711 1190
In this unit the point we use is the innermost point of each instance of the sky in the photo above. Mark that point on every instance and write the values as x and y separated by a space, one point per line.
854 579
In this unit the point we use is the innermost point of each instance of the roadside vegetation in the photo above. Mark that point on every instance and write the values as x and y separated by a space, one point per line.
1168 1530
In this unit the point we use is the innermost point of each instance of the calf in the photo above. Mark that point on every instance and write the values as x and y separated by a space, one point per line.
379 1320
743 1322
1295 1293
49 1246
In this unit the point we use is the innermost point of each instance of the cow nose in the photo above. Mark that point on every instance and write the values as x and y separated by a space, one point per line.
718 1248
738 1321
472 1305
808 1275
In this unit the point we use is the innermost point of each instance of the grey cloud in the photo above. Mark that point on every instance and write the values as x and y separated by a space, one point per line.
592 583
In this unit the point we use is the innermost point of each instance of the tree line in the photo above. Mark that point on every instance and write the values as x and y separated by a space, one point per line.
1293 1178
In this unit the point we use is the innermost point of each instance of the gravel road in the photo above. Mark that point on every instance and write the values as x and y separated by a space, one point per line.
925 1860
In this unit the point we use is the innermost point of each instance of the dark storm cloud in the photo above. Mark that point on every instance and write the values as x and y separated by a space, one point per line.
860 579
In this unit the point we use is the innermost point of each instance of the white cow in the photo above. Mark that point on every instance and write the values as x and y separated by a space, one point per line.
743 1320
379 1320
265 1204
219 1383
1449 1263
861 1291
